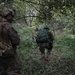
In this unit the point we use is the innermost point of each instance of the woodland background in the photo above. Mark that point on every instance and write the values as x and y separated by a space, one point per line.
59 15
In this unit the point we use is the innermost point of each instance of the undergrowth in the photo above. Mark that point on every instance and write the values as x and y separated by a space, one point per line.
61 59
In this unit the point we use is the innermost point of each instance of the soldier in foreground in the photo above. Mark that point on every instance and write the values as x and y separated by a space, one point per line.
44 40
9 39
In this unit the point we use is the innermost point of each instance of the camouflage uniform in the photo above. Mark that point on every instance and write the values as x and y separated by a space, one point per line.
9 64
47 44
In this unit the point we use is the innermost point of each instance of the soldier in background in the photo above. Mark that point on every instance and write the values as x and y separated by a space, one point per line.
45 40
9 40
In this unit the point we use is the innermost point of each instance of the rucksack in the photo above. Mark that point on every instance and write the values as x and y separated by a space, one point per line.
3 45
42 35
14 37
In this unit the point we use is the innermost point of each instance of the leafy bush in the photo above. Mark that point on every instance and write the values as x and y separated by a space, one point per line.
66 45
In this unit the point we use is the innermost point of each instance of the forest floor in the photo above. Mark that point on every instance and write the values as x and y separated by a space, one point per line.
61 62
58 64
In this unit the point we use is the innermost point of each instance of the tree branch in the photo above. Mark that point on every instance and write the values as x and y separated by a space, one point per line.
33 2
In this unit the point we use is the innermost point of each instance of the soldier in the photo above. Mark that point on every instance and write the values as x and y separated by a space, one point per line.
44 40
9 39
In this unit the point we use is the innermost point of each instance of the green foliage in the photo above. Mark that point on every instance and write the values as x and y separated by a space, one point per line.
62 55
49 7
26 37
66 45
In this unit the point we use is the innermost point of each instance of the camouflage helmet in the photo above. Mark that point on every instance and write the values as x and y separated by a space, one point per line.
46 27
7 12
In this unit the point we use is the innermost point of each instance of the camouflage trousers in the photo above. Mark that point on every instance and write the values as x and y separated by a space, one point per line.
10 65
47 45
43 46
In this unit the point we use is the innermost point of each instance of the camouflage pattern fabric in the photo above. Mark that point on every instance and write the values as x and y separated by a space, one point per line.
10 64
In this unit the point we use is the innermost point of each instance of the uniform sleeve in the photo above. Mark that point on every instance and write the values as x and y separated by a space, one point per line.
13 35
51 36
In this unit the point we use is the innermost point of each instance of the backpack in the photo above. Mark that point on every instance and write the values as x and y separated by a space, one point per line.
3 45
42 35
12 38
